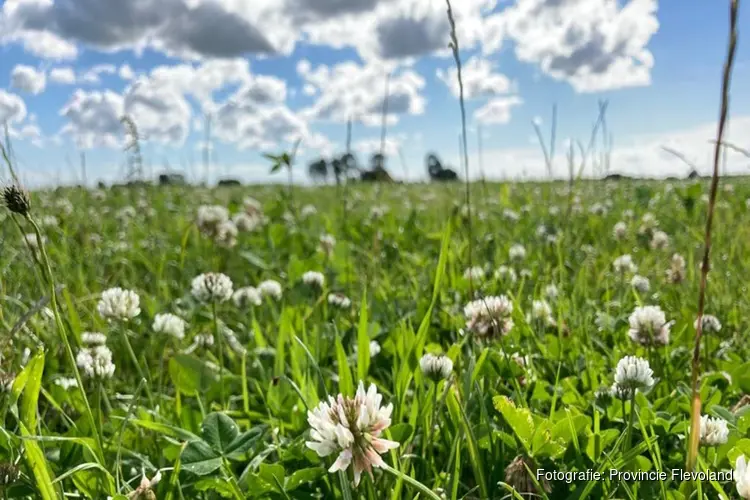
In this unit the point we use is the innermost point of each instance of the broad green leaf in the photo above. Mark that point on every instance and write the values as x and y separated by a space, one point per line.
199 458
215 485
520 420
219 431
303 476
268 472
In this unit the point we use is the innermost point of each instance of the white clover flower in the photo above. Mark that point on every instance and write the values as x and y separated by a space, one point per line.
676 272
526 273
714 431
226 234
352 427
436 367
252 206
624 264
233 341
145 487
475 273
517 252
374 348
628 213
209 217
204 340
212 287
711 324
308 210
119 304
33 241
742 477
632 374
542 312
93 338
339 300
649 326
170 324
270 288
620 231
505 273
66 383
659 240
378 211
598 209
327 243
511 215
541 230
490 316
64 206
314 279
604 322
49 221
551 292
96 362
247 223
640 283
648 224
247 296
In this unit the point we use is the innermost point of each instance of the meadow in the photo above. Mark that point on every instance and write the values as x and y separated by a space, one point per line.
372 341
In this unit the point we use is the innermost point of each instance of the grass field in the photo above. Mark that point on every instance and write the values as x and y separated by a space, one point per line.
525 301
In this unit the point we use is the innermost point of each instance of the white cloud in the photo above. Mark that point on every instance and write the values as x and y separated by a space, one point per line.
126 72
160 111
640 156
94 118
497 111
12 108
63 75
372 145
28 79
351 90
93 75
479 79
594 45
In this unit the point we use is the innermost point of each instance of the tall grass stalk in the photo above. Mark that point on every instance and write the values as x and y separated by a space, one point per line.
454 46
692 452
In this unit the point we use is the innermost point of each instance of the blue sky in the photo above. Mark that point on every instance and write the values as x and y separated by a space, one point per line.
271 71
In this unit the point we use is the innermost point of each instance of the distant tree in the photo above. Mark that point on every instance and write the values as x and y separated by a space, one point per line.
318 170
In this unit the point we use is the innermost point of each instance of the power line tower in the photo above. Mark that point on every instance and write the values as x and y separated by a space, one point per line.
133 148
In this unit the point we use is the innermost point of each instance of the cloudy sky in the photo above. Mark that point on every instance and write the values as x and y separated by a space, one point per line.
269 72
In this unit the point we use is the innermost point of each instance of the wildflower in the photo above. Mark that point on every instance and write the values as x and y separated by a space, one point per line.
204 340
624 264
66 383
742 476
475 273
64 206
93 338
170 324
252 206
490 316
327 243
339 300
620 230
676 272
640 283
233 341
714 431
648 326
511 215
308 210
541 312
49 221
209 217
659 240
96 362
226 234
436 368
504 273
17 200
632 374
598 209
10 474
247 296
604 322
648 224
711 324
247 223
6 382
32 240
270 288
313 279
144 491
551 292
374 348
352 428
119 304
526 273
212 287
517 252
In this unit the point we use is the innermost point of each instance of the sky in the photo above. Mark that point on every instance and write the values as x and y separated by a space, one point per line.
239 78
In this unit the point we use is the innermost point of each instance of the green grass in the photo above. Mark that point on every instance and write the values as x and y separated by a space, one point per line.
403 273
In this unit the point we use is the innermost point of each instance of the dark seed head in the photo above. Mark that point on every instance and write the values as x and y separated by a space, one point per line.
16 199
517 475
9 474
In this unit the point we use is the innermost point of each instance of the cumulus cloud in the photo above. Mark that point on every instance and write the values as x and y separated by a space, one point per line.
93 75
497 111
479 78
126 72
160 111
94 118
12 108
595 45
356 91
28 79
64 75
